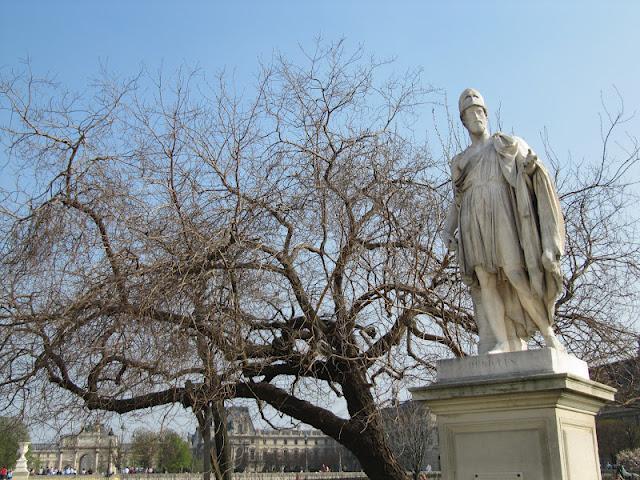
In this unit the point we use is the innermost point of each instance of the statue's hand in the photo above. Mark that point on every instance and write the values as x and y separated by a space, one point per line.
550 263
530 163
449 239
452 243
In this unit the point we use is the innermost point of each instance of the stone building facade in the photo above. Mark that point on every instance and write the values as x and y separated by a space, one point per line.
255 450
252 449
89 450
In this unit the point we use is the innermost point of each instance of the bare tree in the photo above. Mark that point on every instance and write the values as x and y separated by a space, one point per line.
601 266
174 246
107 294
338 241
413 435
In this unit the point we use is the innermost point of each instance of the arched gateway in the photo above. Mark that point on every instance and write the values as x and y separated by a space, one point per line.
88 450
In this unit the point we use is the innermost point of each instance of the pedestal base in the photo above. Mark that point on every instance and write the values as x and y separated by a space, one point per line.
503 425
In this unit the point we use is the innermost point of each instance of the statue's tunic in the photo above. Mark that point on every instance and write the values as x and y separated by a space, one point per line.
488 230
506 219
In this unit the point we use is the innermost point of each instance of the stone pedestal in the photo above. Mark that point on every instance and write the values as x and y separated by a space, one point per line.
520 415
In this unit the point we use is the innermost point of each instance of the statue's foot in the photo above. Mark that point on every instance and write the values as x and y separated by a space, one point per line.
500 347
551 341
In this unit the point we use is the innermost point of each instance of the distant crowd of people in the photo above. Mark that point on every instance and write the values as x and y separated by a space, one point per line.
62 471
127 470
68 470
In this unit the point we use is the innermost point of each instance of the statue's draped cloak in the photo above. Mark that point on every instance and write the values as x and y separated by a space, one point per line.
506 220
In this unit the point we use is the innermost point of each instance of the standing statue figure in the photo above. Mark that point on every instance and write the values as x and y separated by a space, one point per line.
510 234
22 468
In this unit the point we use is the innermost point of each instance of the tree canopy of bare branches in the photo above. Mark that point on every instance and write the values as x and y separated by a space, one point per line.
176 243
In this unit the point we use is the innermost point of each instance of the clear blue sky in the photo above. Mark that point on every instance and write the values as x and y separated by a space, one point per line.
545 62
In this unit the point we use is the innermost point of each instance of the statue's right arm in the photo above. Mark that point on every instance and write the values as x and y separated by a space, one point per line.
450 227
451 220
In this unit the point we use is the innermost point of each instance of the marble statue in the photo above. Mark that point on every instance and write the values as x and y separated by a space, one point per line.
508 232
21 464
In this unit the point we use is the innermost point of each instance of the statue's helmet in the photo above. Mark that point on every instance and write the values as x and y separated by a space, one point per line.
470 97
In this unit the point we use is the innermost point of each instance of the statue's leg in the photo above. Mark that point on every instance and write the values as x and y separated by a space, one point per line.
516 344
534 307
485 334
493 309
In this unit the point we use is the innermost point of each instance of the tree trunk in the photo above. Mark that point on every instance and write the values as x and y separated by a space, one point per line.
365 436
363 433
222 446
376 459
216 453
205 430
